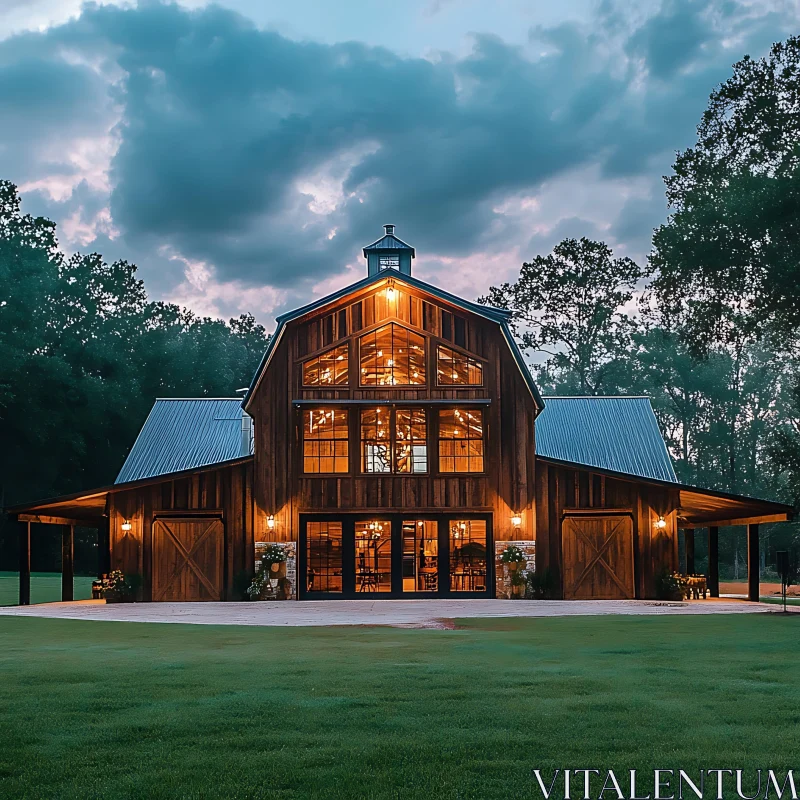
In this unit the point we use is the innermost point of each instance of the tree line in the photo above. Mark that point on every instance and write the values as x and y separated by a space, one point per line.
708 327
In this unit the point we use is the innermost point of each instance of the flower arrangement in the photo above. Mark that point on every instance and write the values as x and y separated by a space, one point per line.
274 554
120 588
512 555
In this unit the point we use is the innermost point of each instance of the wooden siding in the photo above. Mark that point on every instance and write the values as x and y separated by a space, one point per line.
507 483
561 490
226 491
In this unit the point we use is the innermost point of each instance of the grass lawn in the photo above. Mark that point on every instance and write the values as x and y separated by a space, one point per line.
104 709
45 587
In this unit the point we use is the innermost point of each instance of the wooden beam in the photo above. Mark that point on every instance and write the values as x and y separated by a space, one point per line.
25 564
688 539
753 564
104 548
755 520
713 561
67 570
45 520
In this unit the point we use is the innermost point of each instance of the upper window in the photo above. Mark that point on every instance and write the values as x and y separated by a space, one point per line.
327 369
394 440
457 369
325 440
392 356
460 440
389 262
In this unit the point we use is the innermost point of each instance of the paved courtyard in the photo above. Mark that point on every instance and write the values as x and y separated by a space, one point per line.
402 613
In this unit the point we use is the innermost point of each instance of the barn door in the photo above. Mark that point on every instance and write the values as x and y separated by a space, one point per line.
187 558
598 557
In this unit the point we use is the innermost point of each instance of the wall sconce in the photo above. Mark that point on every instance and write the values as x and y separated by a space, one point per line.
390 290
126 525
271 522
516 520
661 523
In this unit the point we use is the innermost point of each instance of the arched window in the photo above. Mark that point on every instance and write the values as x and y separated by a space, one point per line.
392 356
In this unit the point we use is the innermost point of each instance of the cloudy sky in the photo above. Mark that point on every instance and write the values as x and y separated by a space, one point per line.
242 153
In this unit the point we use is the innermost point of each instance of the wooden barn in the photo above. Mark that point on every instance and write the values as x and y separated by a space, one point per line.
394 435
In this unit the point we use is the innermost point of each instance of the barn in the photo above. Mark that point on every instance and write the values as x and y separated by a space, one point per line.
394 440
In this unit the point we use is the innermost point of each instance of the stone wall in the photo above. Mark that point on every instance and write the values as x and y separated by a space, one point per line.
502 576
290 548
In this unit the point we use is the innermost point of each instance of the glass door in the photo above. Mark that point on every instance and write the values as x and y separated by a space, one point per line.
373 556
420 555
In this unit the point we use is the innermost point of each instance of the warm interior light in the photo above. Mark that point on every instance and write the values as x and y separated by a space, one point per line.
270 521
661 524
516 520
390 290
126 526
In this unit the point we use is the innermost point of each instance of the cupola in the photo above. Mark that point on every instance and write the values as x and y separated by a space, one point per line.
389 252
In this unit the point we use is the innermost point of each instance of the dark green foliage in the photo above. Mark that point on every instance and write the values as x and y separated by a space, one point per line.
83 355
241 580
541 584
668 586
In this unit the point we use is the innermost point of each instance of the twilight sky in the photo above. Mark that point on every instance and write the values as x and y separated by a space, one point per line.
242 153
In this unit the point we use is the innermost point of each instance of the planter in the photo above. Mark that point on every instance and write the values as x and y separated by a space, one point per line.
277 569
513 566
518 591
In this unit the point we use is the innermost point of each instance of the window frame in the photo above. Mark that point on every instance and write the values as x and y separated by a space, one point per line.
392 442
333 440
389 386
479 361
315 357
456 407
395 257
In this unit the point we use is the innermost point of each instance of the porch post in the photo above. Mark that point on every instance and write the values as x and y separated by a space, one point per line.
713 561
753 578
67 553
688 539
25 563
103 548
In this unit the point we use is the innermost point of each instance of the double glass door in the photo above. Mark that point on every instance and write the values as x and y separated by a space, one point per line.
395 556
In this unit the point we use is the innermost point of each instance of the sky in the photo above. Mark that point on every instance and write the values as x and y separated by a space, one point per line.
242 153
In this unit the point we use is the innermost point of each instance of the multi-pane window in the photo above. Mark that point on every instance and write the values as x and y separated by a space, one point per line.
327 369
457 369
394 440
324 557
468 555
392 356
325 440
411 446
460 440
389 261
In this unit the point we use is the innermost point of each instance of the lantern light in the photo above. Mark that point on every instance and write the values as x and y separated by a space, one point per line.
516 520
271 522
661 524
126 526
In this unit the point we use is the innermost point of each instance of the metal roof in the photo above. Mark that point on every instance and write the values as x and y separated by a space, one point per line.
620 434
499 315
389 242
181 434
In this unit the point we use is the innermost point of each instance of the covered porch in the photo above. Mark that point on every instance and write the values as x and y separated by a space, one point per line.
711 510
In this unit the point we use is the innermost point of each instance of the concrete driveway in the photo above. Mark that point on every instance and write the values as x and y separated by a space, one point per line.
398 613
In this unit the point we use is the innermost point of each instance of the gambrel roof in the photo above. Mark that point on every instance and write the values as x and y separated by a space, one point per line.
499 315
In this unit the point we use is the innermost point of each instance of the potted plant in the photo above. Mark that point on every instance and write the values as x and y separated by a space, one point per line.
121 588
274 561
669 586
513 558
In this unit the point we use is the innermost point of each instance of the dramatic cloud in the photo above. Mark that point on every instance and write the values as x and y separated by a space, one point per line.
244 169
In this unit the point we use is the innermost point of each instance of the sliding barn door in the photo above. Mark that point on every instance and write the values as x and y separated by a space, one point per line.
187 558
598 557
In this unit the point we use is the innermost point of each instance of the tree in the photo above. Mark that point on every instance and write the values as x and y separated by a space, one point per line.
569 306
727 258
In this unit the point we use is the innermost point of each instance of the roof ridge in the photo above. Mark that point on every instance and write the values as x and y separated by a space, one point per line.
596 397
238 399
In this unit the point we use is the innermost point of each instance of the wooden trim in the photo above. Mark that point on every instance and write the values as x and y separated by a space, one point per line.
436 401
596 511
190 513
755 520
713 561
45 520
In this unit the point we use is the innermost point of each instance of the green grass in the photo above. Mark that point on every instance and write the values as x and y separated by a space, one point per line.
773 600
45 587
103 709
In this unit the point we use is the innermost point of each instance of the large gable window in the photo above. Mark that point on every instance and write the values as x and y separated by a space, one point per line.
457 369
325 440
394 440
327 369
392 356
461 440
